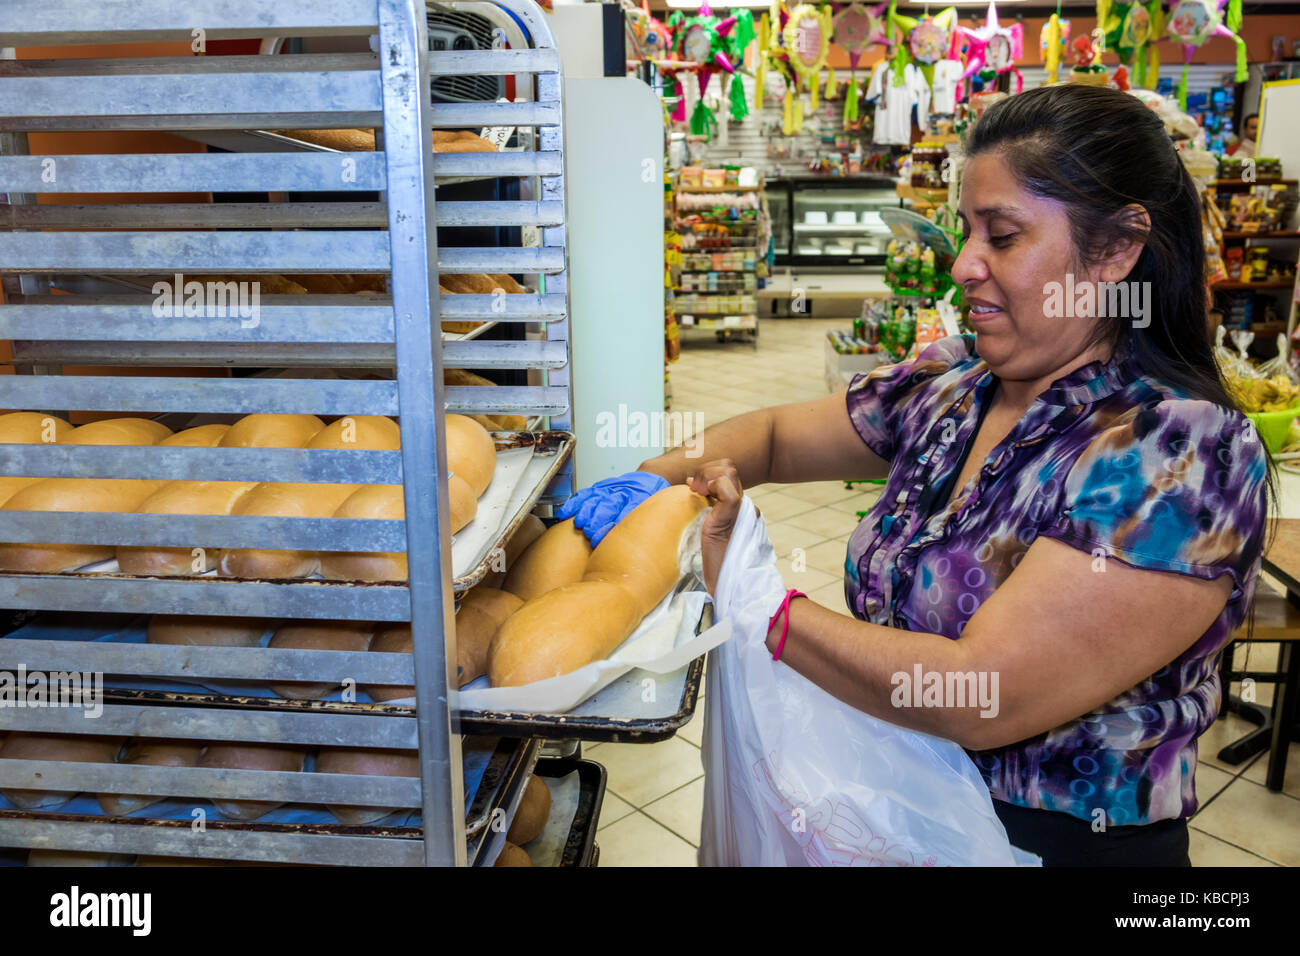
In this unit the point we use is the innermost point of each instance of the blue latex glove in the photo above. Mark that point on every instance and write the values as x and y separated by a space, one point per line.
597 508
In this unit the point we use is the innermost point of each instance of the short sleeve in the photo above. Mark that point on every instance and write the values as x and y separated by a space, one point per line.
880 401
1178 486
874 87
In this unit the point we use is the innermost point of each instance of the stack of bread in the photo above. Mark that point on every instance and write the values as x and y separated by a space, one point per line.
471 456
363 140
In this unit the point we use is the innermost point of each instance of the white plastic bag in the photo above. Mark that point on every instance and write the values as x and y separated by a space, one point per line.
795 777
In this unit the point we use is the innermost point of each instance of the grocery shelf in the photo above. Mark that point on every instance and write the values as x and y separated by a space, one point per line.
1250 286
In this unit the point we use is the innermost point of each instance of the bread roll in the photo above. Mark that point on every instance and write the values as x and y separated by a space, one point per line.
635 566
644 551
202 436
557 558
182 498
284 501
201 631
378 763
460 326
150 753
394 639
70 494
509 283
512 855
68 747
462 502
240 756
117 431
460 141
368 501
30 428
320 283
272 431
347 140
482 611
319 636
266 284
359 432
471 453
460 376
561 631
534 809
468 283
529 530
77 858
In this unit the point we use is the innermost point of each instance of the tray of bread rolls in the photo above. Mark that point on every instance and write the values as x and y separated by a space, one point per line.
495 772
497 478
555 822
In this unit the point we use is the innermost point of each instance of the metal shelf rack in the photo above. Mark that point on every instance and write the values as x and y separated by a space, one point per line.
234 95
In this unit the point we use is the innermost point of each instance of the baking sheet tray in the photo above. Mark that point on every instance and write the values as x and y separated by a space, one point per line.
485 762
577 792
500 805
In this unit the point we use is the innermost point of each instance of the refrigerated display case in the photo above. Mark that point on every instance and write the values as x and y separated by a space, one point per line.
830 222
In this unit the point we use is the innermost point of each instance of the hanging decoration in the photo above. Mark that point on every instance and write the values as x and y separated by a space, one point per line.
1192 22
924 41
1053 41
857 29
1086 54
807 39
703 43
653 35
739 105
1129 30
993 49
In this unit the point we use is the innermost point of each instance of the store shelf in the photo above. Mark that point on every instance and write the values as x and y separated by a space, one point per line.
718 189
830 229
1286 234
1250 286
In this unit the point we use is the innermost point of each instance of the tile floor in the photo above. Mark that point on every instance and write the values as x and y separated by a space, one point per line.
653 804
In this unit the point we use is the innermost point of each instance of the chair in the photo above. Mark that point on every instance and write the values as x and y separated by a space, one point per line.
1276 619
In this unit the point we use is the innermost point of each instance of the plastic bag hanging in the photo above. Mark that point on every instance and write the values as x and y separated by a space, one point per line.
851 101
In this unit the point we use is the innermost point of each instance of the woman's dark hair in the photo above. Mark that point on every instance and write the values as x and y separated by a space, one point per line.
1096 151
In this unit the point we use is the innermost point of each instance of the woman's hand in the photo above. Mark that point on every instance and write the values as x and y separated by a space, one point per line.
720 483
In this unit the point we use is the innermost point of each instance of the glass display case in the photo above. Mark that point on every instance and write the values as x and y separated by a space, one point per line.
830 222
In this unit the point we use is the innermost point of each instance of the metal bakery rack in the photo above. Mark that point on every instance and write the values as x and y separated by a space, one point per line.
105 320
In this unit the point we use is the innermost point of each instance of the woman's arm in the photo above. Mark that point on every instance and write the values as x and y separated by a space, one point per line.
802 441
1062 638
1059 638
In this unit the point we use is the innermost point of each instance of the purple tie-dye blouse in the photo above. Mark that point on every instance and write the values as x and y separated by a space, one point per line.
1105 460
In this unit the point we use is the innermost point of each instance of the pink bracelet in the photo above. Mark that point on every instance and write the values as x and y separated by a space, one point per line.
785 627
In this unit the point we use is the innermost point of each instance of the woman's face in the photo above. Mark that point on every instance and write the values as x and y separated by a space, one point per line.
1016 246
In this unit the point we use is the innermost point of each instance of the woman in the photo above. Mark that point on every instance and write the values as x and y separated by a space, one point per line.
1073 502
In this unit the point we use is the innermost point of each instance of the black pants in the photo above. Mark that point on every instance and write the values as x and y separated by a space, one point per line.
1063 840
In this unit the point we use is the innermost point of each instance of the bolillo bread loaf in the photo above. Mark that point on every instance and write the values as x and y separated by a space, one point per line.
117 431
27 428
556 558
512 855
644 551
240 756
534 809
368 501
394 639
70 494
182 498
635 566
319 636
482 612
471 453
529 530
150 753
561 631
378 763
67 747
462 502
272 431
199 631
201 436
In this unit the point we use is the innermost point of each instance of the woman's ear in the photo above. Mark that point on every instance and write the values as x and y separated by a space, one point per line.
1122 253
